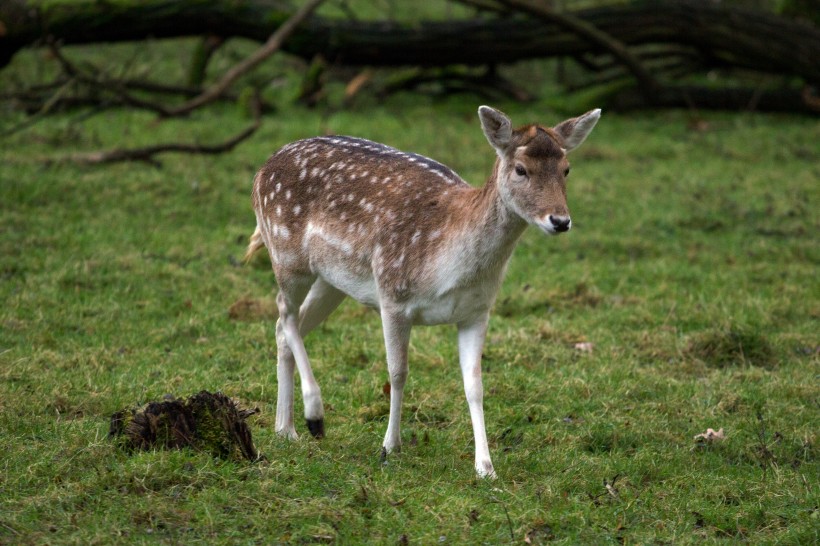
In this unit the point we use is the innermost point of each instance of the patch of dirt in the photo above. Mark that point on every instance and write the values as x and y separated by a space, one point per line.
248 310
731 346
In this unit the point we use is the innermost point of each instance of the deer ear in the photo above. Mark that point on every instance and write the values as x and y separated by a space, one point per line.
497 128
574 131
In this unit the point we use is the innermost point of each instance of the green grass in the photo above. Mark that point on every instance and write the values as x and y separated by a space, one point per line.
692 270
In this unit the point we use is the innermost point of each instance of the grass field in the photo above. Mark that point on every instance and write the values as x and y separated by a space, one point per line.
692 271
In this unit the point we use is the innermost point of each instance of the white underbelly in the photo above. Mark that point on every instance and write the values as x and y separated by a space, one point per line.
460 305
360 288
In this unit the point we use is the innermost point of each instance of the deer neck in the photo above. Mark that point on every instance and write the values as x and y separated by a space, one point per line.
489 230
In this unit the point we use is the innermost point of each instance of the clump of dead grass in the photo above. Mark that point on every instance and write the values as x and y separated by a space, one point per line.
205 421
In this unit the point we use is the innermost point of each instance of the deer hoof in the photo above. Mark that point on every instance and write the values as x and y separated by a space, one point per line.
316 427
288 433
484 470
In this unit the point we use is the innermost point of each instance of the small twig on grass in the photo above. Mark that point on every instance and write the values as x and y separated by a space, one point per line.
494 500
9 528
766 456
609 485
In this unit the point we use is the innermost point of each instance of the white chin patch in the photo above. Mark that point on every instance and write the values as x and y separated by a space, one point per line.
545 225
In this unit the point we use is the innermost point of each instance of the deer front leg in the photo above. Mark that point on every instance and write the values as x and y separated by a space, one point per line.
470 344
396 339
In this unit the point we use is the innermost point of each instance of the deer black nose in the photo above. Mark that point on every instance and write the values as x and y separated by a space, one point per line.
560 223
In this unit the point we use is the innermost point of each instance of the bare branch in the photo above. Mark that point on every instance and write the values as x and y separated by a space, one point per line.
273 44
48 104
110 85
484 5
148 153
647 84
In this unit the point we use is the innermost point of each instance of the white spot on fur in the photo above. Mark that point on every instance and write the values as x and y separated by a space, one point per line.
297 209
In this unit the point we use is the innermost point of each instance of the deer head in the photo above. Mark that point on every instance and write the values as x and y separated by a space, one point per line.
532 167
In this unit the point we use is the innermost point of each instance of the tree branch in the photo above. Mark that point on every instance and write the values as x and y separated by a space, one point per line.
646 83
273 44
148 153
110 85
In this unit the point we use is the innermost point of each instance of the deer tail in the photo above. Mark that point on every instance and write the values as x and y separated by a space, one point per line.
254 244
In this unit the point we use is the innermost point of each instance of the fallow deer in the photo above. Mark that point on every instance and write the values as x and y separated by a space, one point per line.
407 236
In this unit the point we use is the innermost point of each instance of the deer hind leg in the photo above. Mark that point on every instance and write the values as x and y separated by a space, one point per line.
294 323
321 301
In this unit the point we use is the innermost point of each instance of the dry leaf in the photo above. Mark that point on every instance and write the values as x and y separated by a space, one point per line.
584 346
357 83
711 435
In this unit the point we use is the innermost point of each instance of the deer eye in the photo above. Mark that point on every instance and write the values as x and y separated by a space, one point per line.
566 172
520 171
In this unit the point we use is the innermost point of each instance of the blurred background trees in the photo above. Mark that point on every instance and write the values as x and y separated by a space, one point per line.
698 54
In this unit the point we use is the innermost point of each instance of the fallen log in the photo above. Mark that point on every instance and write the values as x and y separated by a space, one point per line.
716 36
724 34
